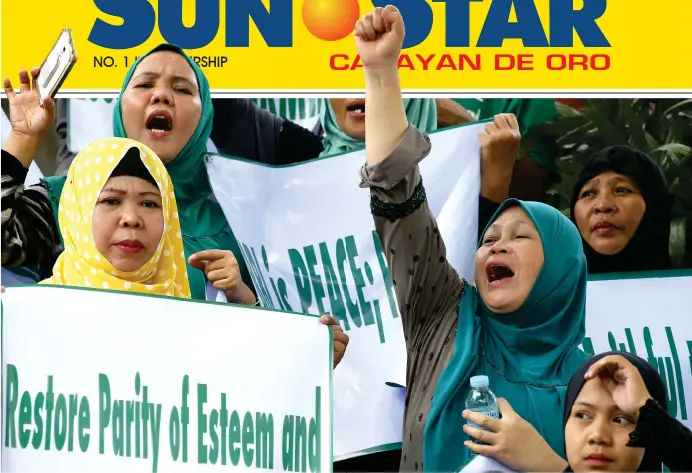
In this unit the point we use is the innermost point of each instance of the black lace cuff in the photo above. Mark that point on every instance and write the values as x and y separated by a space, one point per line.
647 433
396 211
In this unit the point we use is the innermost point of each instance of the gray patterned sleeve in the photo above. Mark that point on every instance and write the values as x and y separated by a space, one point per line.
425 283
29 232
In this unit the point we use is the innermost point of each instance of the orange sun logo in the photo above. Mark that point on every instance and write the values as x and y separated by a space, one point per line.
330 20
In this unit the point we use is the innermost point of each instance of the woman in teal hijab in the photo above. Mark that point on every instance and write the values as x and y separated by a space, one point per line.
173 85
528 354
343 122
520 323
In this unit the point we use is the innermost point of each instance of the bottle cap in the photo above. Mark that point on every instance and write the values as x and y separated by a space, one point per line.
479 382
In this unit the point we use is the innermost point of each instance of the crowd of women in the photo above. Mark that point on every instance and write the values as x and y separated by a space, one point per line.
135 212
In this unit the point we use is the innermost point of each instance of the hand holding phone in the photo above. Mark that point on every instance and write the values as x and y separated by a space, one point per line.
57 66
32 110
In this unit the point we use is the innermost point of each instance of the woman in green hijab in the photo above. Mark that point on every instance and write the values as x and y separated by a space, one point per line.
520 324
164 103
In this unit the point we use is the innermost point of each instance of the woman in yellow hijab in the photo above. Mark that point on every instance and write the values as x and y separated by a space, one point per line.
119 220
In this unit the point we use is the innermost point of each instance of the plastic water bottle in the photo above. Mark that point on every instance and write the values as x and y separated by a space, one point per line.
482 400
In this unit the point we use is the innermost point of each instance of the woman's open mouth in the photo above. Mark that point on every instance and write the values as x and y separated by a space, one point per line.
159 123
498 273
356 109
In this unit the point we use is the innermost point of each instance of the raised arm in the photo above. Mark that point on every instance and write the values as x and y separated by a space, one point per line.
29 120
29 232
500 140
379 36
426 285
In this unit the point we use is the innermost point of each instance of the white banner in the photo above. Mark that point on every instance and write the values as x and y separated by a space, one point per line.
308 237
650 317
108 382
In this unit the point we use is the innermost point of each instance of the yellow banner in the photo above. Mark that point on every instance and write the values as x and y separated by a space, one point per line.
284 45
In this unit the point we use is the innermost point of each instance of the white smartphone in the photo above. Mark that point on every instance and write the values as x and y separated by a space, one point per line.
57 66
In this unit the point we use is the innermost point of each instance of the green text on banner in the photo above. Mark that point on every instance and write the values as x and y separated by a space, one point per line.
112 382
309 239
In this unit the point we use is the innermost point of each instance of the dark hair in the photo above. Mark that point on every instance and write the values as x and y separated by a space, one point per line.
132 165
